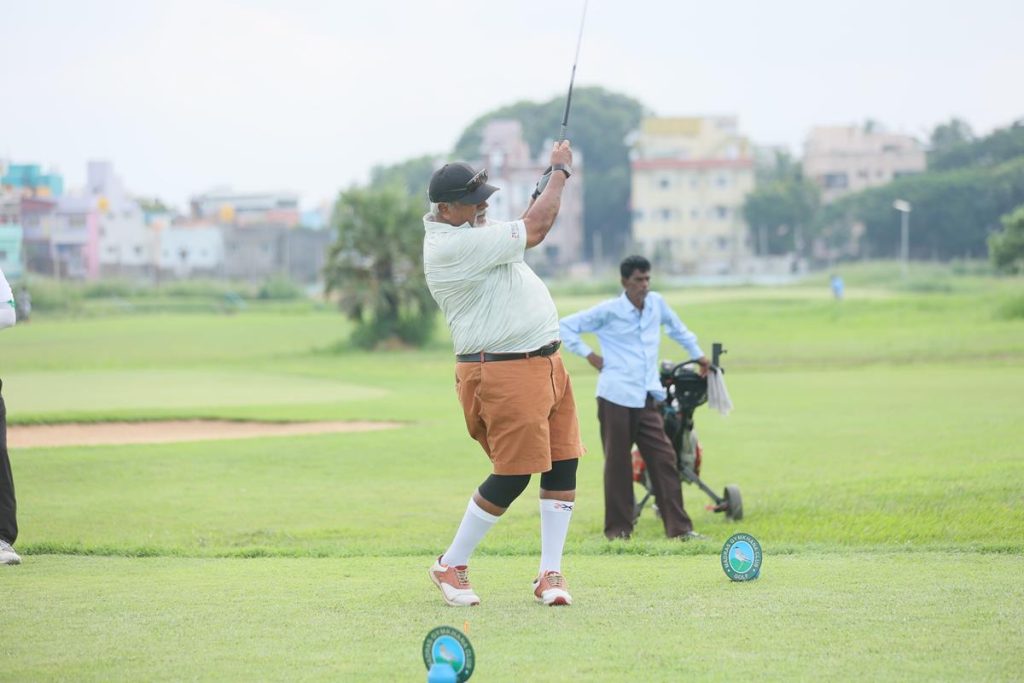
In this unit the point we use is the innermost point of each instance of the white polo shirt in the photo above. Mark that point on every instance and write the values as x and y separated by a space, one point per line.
491 299
6 303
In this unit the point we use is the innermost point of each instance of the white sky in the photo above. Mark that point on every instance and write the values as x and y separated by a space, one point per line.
308 95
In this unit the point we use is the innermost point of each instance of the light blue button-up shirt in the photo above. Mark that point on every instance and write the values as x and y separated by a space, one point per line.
629 344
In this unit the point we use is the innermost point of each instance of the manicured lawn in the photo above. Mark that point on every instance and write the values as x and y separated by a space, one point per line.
869 615
877 442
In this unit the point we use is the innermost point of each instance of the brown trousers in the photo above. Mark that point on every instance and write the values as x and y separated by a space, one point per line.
621 427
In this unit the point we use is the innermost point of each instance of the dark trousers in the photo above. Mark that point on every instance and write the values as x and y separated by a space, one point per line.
8 506
621 427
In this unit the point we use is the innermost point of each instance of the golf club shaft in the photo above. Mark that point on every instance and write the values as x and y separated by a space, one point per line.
572 78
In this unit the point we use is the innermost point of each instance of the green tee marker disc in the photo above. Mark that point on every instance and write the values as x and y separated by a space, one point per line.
450 646
741 557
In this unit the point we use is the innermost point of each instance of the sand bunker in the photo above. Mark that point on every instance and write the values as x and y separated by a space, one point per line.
115 433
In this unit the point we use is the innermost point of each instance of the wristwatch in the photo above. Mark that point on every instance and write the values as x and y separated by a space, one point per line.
564 168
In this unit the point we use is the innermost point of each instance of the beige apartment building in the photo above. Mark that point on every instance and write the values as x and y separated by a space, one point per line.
690 178
845 159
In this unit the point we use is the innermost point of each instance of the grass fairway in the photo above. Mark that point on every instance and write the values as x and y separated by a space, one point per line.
856 616
877 442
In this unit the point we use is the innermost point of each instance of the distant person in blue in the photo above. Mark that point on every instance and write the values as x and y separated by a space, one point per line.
837 287
629 394
23 304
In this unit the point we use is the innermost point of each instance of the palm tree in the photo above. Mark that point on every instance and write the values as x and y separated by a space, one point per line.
375 266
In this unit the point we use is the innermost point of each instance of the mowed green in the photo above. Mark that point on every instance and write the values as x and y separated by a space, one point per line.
877 442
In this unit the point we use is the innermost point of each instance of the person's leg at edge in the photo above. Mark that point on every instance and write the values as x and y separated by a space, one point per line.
617 438
8 505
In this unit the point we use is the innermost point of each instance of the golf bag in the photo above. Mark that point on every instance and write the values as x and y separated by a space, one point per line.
685 391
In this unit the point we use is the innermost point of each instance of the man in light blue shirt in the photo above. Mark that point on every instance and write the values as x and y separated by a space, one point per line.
628 393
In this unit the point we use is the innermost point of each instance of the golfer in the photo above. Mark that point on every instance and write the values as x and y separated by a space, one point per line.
629 394
515 392
8 506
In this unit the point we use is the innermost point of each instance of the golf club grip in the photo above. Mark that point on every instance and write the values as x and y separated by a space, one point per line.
568 104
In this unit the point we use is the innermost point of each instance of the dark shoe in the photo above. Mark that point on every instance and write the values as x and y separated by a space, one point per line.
692 536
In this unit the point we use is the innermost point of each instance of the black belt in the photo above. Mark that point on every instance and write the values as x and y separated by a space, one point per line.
483 357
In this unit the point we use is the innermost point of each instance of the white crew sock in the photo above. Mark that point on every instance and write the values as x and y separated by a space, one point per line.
554 526
475 525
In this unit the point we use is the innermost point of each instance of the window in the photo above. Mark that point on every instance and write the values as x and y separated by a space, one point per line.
665 214
664 182
695 213
722 243
835 181
722 180
3 255
138 250
638 215
721 212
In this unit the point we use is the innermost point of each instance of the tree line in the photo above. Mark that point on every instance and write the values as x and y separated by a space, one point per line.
961 208
958 204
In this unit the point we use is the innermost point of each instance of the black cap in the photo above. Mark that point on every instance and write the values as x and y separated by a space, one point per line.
459 182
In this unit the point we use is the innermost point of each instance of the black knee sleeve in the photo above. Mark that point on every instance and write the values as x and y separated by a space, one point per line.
561 476
502 489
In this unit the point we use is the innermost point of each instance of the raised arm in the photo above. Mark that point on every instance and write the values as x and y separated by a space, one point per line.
541 214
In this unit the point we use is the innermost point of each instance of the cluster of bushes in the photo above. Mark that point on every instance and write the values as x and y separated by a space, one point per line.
65 296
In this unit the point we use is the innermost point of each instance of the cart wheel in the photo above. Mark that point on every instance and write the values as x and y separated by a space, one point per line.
734 502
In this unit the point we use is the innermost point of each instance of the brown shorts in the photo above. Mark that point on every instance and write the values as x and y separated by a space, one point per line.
521 411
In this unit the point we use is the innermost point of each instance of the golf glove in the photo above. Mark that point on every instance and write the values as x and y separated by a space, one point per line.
542 183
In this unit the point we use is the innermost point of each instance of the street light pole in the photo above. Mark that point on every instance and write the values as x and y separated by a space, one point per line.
904 208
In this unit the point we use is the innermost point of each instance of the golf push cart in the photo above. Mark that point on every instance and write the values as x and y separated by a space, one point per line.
686 390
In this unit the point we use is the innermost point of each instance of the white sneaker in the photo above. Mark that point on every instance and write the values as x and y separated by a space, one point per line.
7 554
550 589
454 584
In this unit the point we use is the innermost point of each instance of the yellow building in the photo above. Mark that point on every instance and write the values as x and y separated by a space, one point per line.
690 178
